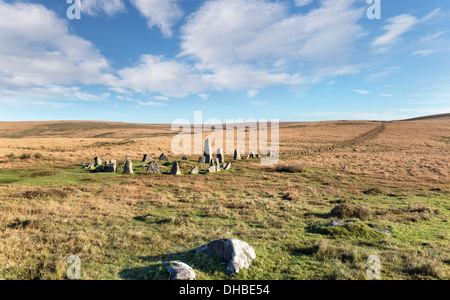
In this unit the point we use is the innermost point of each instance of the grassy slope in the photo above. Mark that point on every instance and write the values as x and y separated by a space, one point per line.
123 227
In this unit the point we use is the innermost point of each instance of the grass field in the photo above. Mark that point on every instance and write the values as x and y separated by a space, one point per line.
125 226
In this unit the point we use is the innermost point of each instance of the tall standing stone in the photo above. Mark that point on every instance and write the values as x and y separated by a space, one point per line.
220 155
237 155
208 150
175 169
128 167
252 154
98 161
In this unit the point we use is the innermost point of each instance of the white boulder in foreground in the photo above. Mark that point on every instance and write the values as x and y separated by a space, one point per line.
238 254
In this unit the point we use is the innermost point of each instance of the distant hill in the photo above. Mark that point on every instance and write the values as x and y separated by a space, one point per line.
433 117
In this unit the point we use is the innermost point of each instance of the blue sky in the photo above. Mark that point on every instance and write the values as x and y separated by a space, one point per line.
155 61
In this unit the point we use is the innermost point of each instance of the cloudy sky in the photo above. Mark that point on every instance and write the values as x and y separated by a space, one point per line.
154 61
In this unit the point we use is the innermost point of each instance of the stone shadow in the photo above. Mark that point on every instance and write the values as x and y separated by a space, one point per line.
156 271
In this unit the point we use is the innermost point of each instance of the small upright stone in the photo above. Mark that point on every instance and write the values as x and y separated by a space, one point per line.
202 160
164 157
217 165
220 155
128 167
252 155
98 161
194 170
147 158
237 155
175 169
185 158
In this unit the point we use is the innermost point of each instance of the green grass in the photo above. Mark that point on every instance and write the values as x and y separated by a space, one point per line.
127 234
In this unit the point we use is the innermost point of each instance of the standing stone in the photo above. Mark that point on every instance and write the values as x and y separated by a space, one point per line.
185 159
258 156
220 155
217 165
98 161
179 271
238 254
194 170
128 167
202 160
252 154
153 168
110 168
237 155
175 169
147 158
208 150
164 157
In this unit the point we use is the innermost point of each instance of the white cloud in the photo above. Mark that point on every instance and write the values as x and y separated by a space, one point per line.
387 95
252 44
301 3
362 92
383 73
150 103
48 94
433 37
396 27
161 13
204 96
37 49
100 7
225 32
161 98
424 53
155 74
252 93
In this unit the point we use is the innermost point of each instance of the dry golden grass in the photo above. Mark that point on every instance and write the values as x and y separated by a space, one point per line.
112 222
